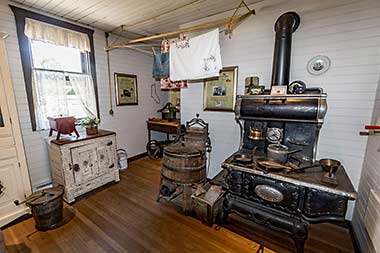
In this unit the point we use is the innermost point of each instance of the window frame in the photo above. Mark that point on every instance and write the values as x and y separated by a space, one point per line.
26 52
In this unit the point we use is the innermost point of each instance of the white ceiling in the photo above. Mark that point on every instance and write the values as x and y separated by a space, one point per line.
138 16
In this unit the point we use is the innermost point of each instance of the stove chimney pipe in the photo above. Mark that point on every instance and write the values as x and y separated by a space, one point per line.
285 25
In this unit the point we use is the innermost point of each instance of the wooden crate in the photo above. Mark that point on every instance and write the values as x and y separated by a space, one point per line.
208 206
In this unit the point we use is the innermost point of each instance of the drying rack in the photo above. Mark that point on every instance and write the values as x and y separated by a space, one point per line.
229 24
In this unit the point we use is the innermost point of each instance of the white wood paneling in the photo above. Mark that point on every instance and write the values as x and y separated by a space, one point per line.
144 17
372 219
369 184
126 120
347 31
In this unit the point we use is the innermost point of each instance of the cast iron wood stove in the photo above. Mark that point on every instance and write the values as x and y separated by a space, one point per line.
282 201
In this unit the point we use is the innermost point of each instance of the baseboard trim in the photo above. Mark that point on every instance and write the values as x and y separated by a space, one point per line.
354 238
15 218
136 157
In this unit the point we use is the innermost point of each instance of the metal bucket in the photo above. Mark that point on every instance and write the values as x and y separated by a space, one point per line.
184 163
122 159
46 206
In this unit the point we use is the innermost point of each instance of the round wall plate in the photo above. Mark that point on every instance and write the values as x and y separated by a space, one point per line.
318 65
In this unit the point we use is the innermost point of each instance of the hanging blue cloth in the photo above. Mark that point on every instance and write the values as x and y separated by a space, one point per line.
161 65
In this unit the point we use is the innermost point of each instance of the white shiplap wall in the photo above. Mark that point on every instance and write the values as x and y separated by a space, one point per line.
369 180
348 32
128 121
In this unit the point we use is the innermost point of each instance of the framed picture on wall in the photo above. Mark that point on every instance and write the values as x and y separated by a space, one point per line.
126 89
219 94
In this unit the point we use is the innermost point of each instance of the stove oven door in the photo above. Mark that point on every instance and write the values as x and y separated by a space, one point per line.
273 193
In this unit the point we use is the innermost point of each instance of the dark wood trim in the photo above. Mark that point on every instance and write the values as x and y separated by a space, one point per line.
25 51
137 157
72 139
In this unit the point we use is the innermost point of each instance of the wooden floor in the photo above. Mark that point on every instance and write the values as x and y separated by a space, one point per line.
125 217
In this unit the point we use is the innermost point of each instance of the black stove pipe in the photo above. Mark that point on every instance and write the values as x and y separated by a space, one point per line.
285 25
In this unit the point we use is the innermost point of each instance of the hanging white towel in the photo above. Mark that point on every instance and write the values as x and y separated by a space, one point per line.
196 58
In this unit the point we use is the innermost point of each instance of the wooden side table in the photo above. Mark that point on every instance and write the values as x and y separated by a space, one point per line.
162 126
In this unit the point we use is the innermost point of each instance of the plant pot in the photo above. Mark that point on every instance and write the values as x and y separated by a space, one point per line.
92 130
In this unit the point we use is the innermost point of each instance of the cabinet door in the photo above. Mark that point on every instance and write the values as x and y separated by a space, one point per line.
11 187
84 163
106 156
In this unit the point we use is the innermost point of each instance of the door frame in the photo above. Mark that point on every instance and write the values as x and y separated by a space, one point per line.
15 124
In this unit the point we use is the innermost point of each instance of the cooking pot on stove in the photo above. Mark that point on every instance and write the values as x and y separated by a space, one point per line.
279 153
255 134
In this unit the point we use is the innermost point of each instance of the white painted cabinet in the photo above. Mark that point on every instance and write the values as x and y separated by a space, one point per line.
14 176
83 164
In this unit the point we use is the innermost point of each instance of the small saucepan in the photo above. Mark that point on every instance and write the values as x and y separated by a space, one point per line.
243 158
279 153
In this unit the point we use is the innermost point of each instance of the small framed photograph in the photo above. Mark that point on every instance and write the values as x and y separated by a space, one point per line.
219 94
126 89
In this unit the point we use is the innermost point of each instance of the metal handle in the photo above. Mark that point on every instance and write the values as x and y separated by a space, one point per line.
30 198
294 151
298 142
275 101
76 167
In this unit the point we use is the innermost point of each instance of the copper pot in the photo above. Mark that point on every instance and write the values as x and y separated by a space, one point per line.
255 134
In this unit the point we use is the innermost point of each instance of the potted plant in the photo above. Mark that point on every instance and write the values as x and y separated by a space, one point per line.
91 125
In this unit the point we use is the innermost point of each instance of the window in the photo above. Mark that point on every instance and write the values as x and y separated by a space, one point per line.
54 57
62 61
59 67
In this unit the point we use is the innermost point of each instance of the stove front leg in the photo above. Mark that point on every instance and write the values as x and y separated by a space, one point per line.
299 235
272 219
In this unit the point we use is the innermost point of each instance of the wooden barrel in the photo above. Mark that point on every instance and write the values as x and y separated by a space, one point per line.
184 163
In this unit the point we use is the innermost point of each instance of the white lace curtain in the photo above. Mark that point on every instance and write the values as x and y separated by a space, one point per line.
36 30
84 89
50 97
